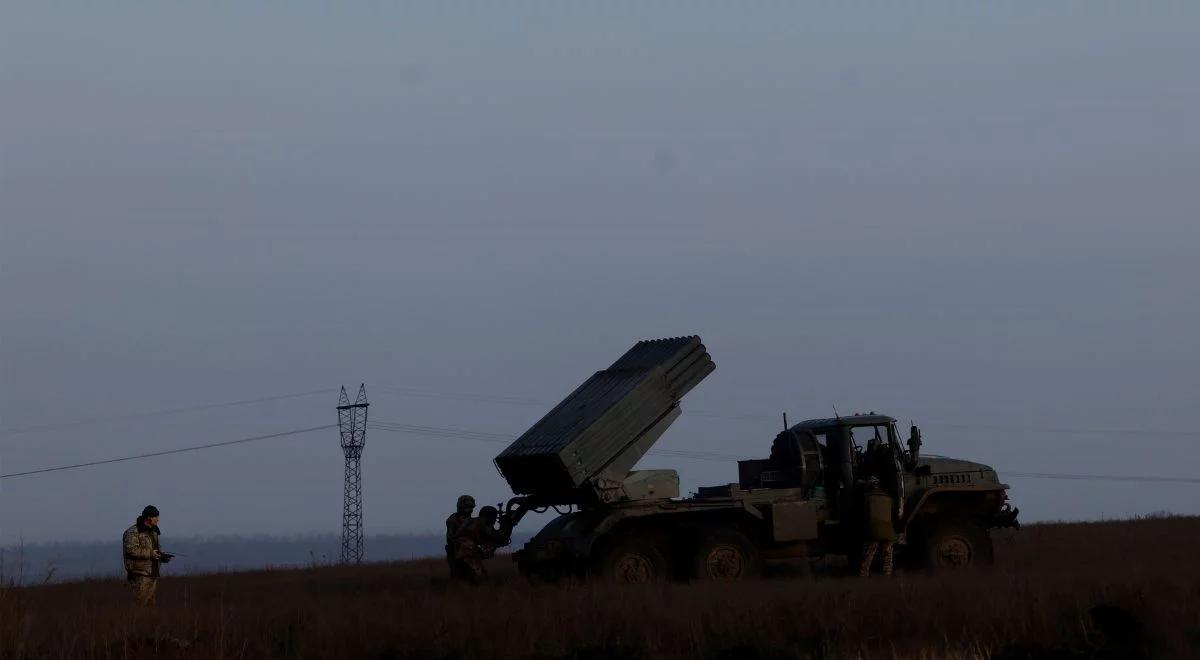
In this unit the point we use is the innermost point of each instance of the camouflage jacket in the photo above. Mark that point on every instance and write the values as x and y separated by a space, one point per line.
879 525
455 524
138 546
478 540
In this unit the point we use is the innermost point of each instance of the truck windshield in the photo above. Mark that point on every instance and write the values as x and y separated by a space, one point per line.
862 436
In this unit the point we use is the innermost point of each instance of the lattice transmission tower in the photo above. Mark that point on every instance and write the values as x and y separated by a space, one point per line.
352 423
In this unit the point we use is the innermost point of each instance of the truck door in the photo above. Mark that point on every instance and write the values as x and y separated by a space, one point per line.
840 475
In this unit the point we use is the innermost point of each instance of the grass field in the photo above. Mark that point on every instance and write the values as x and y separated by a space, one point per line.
1123 589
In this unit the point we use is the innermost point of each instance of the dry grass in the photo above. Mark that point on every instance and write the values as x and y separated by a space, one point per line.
1095 590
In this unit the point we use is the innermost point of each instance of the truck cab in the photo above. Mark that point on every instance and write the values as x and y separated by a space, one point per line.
944 506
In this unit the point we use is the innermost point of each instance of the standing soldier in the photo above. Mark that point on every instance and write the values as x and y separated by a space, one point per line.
478 540
143 556
873 457
879 530
454 525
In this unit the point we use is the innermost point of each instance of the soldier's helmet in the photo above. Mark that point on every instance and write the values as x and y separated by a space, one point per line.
466 503
488 513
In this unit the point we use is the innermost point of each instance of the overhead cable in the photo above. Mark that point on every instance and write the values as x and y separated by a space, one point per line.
697 455
1060 430
159 413
1102 477
169 451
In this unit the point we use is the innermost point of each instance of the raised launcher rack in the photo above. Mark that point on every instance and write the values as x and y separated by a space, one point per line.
582 450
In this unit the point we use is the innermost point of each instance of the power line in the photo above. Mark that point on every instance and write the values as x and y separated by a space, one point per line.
1062 430
522 401
526 401
458 433
1102 477
158 413
484 436
460 396
169 451
444 431
506 438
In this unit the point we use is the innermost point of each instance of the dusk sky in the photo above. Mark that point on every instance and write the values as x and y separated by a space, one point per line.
982 217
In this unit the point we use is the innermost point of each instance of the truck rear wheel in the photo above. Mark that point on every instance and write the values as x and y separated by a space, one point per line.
631 559
726 556
955 543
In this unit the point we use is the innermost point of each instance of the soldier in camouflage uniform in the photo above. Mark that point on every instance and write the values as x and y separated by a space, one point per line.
879 529
143 555
455 524
478 540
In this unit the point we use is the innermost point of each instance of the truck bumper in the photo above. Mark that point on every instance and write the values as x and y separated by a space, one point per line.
1006 517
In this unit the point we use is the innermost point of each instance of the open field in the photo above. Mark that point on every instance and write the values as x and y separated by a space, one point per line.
1123 589
32 563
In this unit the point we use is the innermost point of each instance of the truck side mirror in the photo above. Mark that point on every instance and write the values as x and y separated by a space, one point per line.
914 444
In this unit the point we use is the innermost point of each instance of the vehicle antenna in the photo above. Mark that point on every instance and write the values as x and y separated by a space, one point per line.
835 412
785 426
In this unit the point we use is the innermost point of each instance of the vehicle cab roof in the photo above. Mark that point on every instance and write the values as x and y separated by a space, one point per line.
848 420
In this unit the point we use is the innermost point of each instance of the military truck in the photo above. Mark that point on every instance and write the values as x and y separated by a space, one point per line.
802 501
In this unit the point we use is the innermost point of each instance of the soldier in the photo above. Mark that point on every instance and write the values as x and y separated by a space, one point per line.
143 555
878 529
872 457
454 524
881 463
478 540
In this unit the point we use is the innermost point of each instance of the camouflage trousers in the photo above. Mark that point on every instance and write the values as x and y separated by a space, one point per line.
887 552
465 566
474 571
144 589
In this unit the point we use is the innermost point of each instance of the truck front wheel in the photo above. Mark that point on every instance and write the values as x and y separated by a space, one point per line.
631 559
955 543
726 556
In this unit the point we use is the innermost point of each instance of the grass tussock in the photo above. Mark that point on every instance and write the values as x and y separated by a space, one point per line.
1123 589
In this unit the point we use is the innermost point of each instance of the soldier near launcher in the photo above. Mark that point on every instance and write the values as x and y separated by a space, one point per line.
455 525
478 540
879 529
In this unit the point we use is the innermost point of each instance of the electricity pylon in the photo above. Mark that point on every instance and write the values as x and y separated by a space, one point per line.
352 423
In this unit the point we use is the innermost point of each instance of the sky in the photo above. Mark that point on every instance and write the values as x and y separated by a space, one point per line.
981 217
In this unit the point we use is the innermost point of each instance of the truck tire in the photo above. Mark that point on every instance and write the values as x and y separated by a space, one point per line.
726 555
630 560
542 573
953 543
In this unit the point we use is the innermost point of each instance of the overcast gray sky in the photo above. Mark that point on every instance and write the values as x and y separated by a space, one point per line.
979 216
